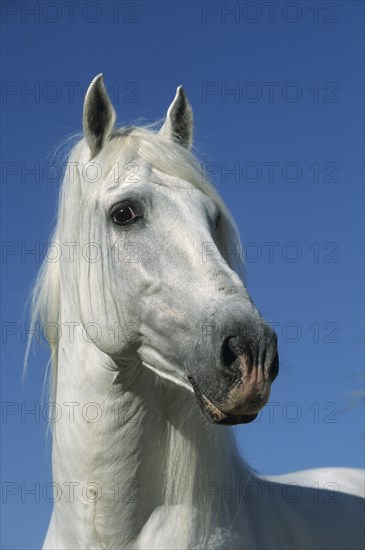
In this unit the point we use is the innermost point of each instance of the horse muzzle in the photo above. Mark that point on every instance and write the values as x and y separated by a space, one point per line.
250 368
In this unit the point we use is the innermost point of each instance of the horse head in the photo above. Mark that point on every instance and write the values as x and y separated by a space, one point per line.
169 273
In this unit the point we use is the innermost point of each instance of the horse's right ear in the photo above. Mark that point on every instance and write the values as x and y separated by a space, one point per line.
179 124
99 116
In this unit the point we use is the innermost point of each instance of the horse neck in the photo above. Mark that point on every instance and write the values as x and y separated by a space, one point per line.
126 444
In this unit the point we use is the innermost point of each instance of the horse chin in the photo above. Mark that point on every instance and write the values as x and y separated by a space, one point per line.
217 416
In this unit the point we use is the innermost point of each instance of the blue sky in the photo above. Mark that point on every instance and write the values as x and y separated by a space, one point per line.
277 94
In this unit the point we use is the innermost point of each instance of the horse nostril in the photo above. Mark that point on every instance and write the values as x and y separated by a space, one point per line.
233 347
274 369
228 356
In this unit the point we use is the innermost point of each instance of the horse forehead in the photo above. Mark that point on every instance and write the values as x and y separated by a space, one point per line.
125 173
181 191
167 180
131 172
171 189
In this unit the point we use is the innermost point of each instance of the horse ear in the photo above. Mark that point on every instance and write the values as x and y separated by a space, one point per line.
98 117
178 125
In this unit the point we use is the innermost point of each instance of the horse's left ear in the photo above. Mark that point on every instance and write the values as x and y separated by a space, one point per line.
178 125
99 116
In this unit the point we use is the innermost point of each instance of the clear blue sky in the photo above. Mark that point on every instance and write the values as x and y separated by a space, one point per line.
293 128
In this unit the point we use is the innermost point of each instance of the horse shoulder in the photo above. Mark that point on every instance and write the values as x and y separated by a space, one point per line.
319 508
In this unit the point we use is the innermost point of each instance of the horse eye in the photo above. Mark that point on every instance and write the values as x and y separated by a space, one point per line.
124 215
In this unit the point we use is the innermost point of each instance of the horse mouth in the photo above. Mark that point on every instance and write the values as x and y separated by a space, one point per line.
214 414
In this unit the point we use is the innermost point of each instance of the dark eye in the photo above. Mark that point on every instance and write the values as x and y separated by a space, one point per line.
124 215
217 220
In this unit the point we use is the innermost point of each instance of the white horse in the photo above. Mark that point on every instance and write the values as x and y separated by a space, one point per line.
158 347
